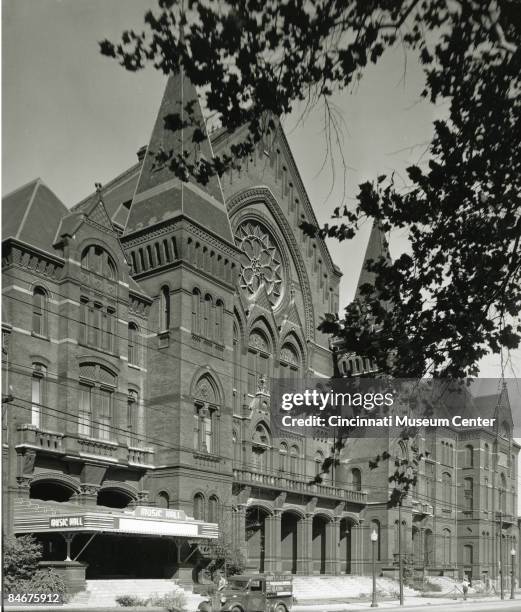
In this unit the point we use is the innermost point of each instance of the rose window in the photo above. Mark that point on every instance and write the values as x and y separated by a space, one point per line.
261 261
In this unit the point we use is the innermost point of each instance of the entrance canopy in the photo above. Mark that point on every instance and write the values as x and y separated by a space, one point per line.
34 516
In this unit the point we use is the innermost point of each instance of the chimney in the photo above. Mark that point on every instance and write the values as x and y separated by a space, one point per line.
141 152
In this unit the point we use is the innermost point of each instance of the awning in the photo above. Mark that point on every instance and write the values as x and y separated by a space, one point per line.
34 516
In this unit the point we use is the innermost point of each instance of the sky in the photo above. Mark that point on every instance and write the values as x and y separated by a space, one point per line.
74 117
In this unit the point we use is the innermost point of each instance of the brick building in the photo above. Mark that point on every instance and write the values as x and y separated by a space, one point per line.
139 329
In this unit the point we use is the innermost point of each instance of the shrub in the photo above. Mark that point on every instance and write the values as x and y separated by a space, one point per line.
43 581
130 601
433 587
21 557
173 602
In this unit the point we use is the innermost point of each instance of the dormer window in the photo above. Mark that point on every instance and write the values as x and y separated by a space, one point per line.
96 259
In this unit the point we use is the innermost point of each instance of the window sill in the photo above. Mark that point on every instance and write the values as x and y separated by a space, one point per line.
40 336
93 347
207 456
134 367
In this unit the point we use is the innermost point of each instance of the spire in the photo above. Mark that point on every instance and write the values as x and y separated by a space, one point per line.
377 246
159 193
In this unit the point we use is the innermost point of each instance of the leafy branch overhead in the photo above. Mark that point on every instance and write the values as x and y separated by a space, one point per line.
456 294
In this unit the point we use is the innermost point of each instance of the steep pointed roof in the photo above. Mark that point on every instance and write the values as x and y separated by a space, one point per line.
94 210
161 195
32 214
377 246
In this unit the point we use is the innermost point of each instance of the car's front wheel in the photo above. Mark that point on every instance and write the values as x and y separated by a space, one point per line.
280 608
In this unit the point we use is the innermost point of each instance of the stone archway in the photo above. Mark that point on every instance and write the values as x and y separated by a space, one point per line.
51 490
114 498
319 544
255 535
289 541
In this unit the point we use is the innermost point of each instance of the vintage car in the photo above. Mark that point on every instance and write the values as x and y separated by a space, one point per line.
252 593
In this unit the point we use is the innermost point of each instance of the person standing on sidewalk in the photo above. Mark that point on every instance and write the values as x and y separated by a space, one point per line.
465 587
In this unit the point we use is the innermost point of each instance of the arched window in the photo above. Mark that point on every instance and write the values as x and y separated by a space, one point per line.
283 457
206 408
164 308
219 321
468 491
446 487
40 309
96 259
289 362
469 456
133 344
487 456
132 416
356 479
428 548
199 510
38 398
96 397
163 500
375 526
196 311
261 444
258 361
213 509
208 316
294 456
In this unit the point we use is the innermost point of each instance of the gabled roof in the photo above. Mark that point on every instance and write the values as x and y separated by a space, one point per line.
32 214
94 210
159 193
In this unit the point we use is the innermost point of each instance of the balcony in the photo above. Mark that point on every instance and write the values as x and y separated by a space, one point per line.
421 509
64 445
299 485
31 436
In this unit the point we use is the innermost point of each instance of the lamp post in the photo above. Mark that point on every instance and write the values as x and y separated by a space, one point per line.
512 574
374 540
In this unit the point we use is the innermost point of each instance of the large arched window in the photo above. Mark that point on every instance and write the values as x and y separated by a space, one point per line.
319 462
208 316
487 456
206 409
38 398
196 311
96 398
236 370
164 308
199 510
289 362
469 456
258 361
213 509
96 259
40 310
261 446
503 493
236 447
133 344
133 416
219 321
356 479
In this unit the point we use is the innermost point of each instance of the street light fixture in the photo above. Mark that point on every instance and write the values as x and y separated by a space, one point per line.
374 540
512 577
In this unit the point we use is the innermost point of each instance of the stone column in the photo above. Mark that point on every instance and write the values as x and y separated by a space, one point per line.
332 544
305 546
357 550
88 495
239 531
272 544
24 486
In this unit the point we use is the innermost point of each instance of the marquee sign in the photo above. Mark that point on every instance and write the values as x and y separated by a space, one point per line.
160 513
65 522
